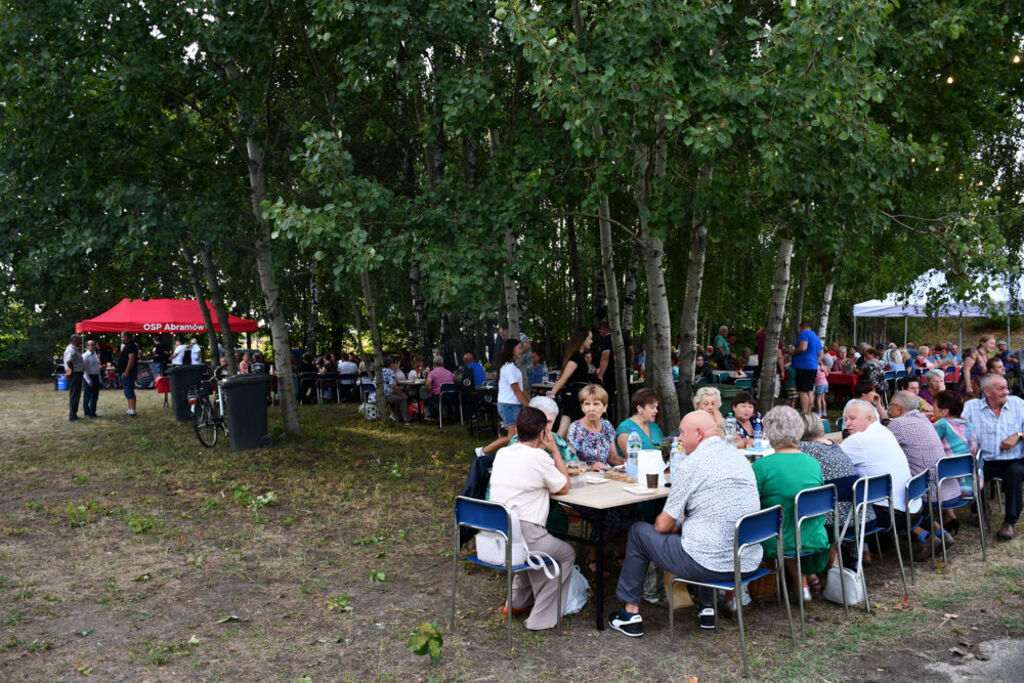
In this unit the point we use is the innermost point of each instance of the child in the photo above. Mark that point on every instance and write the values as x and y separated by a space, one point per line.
821 383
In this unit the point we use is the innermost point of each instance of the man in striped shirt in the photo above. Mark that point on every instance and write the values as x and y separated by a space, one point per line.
998 419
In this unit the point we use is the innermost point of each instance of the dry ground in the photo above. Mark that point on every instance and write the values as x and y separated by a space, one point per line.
129 552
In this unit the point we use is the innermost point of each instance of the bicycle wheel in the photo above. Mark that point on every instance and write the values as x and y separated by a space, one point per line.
204 423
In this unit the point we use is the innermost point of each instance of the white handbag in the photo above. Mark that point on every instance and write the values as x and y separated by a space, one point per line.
853 580
490 548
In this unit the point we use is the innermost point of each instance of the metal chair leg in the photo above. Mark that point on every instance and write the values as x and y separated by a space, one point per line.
899 555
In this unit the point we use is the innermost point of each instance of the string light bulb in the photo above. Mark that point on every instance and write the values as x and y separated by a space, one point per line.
1016 59
949 80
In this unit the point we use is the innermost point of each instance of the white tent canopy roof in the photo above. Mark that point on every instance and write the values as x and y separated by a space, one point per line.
898 305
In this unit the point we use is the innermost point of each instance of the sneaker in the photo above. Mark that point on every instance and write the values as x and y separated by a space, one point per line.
730 604
479 451
630 624
706 619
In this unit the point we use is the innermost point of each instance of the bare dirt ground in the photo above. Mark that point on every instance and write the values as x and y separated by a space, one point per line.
130 552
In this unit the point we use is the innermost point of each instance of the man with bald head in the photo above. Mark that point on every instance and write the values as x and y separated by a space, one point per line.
693 535
873 450
998 418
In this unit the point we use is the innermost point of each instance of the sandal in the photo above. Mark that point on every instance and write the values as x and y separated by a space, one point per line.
814 583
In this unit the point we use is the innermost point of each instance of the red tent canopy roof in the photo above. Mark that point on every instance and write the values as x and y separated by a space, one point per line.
159 315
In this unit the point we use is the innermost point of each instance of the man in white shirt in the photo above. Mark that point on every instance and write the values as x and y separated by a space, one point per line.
998 419
91 378
874 450
178 355
196 351
74 366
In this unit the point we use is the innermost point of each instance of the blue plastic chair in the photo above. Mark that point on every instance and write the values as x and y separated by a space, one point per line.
750 530
811 504
745 383
485 515
954 467
917 489
867 491
826 424
839 424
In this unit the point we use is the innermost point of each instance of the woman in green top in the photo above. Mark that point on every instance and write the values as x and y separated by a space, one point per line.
779 478
644 409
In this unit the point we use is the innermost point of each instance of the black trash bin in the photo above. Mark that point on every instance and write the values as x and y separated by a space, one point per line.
245 405
183 378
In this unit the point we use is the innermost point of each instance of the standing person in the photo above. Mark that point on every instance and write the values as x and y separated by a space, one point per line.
998 419
975 365
91 378
722 349
805 362
160 355
195 351
74 367
606 366
127 367
821 385
575 375
499 344
178 355
511 397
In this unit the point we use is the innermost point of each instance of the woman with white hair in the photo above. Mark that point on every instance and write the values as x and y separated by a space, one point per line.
709 399
550 409
779 478
934 382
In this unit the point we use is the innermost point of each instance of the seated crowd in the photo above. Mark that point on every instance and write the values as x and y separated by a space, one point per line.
692 535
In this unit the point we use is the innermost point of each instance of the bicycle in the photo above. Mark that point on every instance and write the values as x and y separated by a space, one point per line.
207 417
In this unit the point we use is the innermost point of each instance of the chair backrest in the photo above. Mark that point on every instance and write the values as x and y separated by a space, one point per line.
891 374
758 527
839 424
826 425
745 383
954 466
917 485
815 502
900 374
449 388
307 377
878 488
484 515
348 378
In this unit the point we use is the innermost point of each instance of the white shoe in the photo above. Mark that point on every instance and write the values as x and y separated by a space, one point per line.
731 603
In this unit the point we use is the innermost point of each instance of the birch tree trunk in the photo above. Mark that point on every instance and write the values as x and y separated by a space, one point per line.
254 159
612 291
217 297
574 272
629 290
383 409
691 301
313 312
826 305
197 287
766 391
419 312
359 328
798 305
509 285
659 333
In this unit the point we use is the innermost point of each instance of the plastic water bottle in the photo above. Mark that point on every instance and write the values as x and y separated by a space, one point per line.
633 443
729 427
758 436
675 459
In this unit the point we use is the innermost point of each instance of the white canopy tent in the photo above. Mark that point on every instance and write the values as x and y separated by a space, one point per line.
1001 299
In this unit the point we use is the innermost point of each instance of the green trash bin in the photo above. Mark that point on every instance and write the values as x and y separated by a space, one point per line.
183 378
245 407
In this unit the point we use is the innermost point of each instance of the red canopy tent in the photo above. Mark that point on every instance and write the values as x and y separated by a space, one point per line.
159 315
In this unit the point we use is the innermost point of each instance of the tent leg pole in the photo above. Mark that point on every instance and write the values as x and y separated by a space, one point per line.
905 331
961 333
854 332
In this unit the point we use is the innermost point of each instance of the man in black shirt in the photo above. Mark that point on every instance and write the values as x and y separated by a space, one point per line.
127 367
161 355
